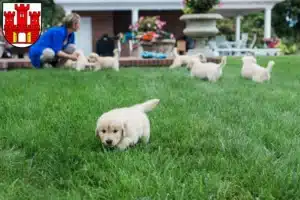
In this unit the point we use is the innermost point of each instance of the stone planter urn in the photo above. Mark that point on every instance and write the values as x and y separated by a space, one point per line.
162 46
201 27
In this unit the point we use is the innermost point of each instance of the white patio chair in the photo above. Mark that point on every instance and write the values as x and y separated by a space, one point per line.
243 45
244 40
251 46
222 43
213 45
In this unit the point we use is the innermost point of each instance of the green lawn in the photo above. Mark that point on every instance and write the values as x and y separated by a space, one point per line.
233 139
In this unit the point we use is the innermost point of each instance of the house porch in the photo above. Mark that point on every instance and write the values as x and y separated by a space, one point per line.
114 22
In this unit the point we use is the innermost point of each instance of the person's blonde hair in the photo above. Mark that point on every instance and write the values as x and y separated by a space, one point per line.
70 19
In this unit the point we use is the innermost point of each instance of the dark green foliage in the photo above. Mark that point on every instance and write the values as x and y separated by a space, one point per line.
254 24
281 10
199 6
251 24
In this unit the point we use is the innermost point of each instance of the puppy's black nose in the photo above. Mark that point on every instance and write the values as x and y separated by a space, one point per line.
109 142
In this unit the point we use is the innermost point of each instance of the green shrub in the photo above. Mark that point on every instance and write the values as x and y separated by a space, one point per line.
199 6
288 49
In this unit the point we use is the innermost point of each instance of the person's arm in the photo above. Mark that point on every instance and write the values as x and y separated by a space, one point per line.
72 38
57 42
72 41
64 55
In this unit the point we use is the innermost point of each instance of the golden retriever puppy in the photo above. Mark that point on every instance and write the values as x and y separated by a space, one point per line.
124 127
210 71
81 63
102 62
180 60
262 74
248 65
251 70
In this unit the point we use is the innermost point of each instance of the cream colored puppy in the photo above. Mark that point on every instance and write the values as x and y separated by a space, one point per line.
251 70
102 62
210 71
180 60
81 63
124 127
248 66
262 74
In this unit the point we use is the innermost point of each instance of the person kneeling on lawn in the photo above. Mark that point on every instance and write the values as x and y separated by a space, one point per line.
57 44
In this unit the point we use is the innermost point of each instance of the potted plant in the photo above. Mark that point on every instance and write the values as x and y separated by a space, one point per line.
151 36
200 25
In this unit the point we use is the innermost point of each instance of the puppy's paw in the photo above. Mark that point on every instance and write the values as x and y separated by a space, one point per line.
47 65
212 80
144 140
122 147
173 66
124 144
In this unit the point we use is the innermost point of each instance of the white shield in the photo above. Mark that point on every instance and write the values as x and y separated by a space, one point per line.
22 23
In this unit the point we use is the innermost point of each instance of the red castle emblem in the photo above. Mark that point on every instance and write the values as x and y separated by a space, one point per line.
21 23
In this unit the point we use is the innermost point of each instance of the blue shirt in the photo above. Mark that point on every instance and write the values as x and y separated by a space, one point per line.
54 39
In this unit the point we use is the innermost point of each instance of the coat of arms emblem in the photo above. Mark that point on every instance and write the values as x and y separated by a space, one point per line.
21 23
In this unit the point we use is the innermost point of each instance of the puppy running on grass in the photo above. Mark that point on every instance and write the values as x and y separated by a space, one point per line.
102 62
124 127
180 60
81 63
210 71
251 70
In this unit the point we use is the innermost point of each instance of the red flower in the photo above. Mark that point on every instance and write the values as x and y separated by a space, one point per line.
271 42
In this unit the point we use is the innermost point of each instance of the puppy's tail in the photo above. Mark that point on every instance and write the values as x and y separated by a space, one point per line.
175 52
116 53
80 52
147 106
223 62
270 65
202 57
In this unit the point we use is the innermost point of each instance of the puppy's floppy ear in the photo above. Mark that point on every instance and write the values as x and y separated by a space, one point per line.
124 128
202 58
96 132
97 128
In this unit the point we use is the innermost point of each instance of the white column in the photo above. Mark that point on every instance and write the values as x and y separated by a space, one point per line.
134 16
268 25
238 28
